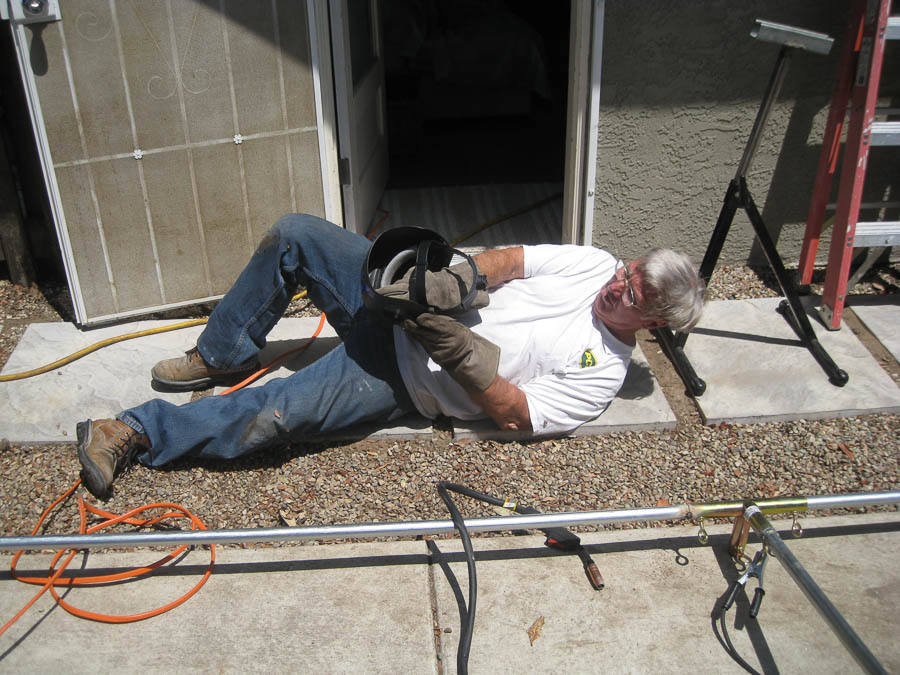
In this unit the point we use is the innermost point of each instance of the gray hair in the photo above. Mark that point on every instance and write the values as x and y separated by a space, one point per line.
673 290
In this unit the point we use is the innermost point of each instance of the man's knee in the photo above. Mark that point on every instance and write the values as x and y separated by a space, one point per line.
295 227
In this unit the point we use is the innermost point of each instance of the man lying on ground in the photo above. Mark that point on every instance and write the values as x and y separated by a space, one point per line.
545 351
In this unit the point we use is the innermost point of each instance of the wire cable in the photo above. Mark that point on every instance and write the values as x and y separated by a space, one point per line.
465 637
557 537
506 216
99 345
55 576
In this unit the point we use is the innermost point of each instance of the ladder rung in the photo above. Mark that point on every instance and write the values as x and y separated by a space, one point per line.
885 133
865 206
881 233
893 28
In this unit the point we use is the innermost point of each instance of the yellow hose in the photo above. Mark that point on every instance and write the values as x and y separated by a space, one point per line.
110 341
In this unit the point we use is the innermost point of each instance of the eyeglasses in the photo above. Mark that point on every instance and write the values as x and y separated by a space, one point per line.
629 298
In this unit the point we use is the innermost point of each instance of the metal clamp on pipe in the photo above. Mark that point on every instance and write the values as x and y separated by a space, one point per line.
738 542
754 570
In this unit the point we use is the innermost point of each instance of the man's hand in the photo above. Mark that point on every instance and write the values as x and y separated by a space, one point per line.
467 357
444 289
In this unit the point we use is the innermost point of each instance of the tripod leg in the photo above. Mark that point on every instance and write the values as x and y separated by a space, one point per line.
667 339
673 342
797 317
726 216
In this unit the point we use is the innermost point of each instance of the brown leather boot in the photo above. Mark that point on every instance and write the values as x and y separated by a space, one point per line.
190 373
105 449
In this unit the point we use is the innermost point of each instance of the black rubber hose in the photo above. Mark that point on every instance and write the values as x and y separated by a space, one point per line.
465 637
444 488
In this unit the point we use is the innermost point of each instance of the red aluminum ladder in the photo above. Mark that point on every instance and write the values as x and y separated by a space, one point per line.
858 78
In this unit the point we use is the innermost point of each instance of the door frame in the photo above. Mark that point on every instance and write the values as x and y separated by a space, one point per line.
583 100
326 115
20 41
585 61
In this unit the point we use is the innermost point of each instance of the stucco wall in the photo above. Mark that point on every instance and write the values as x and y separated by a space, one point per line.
681 86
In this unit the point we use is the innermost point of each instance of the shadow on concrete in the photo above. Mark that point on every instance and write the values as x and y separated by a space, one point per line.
639 382
46 614
732 335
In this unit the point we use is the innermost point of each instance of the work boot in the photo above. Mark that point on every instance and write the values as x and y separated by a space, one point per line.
105 449
191 373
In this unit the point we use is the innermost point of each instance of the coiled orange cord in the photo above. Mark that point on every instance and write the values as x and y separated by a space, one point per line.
55 578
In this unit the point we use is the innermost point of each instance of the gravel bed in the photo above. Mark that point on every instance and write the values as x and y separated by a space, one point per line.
379 480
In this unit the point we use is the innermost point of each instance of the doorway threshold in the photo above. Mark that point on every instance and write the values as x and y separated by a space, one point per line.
478 216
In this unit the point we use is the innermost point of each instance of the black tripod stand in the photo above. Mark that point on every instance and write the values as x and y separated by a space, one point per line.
738 196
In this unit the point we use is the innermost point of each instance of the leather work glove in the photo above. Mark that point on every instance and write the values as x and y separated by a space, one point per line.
467 357
444 289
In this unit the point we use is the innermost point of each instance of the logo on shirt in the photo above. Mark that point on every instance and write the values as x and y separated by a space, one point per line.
588 359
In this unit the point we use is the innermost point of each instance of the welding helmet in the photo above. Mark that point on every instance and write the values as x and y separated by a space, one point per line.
393 253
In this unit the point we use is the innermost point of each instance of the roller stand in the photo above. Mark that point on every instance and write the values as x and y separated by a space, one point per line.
738 196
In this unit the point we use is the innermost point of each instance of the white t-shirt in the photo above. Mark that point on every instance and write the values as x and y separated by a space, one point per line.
551 347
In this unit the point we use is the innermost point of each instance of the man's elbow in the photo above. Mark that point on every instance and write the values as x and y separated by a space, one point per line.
506 405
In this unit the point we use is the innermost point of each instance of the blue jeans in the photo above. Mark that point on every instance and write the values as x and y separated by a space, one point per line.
358 381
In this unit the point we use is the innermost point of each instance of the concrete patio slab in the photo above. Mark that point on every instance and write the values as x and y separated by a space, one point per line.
377 607
663 590
640 406
881 315
757 370
46 408
339 609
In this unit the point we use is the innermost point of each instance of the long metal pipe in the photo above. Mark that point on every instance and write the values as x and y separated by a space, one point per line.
814 594
435 527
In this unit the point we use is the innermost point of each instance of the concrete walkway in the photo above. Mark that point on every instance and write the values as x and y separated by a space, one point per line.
755 368
396 607
46 408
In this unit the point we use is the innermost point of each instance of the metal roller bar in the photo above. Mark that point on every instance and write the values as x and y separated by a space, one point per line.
791 36
352 531
731 509
810 588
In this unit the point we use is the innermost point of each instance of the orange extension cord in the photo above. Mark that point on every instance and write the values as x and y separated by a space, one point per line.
55 576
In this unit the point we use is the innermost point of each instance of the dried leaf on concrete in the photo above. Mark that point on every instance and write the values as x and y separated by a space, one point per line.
535 631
